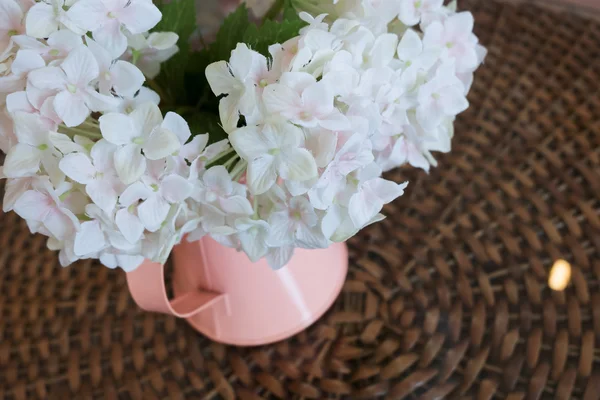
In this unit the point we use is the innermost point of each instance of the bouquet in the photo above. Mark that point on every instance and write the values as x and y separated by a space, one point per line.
125 132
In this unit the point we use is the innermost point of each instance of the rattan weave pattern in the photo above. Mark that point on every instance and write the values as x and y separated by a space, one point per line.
447 298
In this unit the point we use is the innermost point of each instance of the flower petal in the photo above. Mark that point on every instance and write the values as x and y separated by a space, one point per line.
22 160
279 257
47 78
297 165
146 117
129 163
248 142
117 128
99 102
220 79
31 129
129 225
175 188
80 66
127 79
26 61
90 239
410 46
162 40
61 223
161 143
192 150
363 207
236 205
311 238
134 193
41 20
103 194
110 36
32 205
281 99
139 16
176 124
78 167
64 143
229 112
88 14
70 108
261 174
153 212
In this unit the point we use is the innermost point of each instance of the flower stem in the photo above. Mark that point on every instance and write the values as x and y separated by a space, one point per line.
238 170
185 109
255 207
159 90
273 11
214 161
72 131
230 162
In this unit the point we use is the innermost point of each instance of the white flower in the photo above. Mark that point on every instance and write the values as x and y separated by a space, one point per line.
355 153
253 236
304 101
313 22
107 18
273 150
341 75
441 97
412 11
7 135
25 61
35 148
11 16
381 53
413 55
145 95
373 192
158 193
18 101
97 173
115 259
297 225
279 257
13 189
189 150
71 84
139 131
242 79
217 189
45 18
147 53
43 205
125 78
455 36
58 45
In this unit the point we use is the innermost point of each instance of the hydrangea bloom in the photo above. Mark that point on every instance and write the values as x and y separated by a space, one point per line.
92 163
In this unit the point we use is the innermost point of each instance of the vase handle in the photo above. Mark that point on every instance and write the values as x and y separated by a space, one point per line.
147 287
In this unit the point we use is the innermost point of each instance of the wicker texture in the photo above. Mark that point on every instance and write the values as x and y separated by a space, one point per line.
447 298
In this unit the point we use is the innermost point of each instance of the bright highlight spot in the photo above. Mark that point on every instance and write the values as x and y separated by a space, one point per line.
560 275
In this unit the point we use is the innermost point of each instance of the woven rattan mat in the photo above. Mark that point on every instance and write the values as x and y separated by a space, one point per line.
445 299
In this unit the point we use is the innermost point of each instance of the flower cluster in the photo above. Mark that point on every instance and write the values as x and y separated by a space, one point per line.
317 123
92 163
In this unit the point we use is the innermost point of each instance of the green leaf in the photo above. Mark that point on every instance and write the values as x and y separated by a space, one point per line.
289 11
230 34
178 16
271 32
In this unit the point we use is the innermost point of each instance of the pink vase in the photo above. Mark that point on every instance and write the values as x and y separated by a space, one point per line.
234 301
